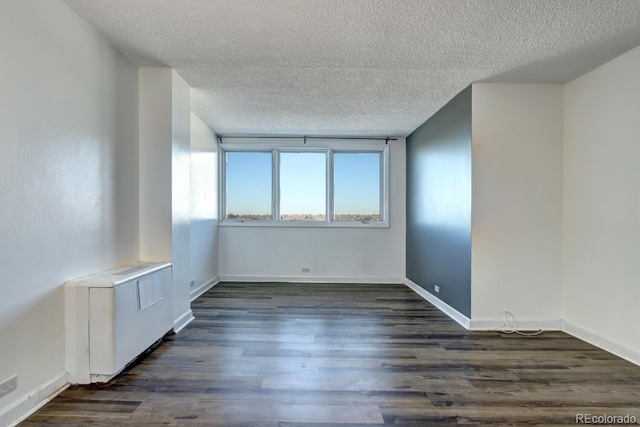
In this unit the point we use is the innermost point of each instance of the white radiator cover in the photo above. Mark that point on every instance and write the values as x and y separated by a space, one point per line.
113 316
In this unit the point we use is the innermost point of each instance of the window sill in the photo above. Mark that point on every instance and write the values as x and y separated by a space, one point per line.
304 224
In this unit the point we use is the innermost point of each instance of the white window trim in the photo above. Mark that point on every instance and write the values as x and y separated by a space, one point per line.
276 146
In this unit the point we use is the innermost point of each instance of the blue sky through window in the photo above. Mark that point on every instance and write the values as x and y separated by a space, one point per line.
303 186
248 179
356 185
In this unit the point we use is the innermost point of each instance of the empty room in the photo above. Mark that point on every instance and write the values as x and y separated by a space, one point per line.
308 213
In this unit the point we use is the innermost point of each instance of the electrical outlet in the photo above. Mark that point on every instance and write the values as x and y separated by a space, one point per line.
306 269
9 385
436 288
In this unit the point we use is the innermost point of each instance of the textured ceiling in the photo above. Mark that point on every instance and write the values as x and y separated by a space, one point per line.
357 67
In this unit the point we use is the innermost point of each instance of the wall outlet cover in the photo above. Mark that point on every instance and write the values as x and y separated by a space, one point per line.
9 385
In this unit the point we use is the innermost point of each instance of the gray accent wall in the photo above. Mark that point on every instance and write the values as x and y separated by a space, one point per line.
439 204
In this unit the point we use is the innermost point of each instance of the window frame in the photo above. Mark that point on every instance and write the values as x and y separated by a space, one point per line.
300 145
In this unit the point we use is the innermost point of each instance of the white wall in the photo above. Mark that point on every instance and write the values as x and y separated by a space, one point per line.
516 204
181 199
343 254
165 177
601 251
68 182
204 206
155 164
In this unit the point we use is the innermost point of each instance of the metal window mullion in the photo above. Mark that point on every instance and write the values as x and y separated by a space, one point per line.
275 184
222 185
384 185
329 187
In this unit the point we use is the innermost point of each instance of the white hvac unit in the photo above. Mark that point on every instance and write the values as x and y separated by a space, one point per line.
114 316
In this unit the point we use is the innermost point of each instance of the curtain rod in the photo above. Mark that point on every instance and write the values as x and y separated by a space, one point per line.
305 137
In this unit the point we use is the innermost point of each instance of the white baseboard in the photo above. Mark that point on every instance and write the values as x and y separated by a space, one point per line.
309 279
599 341
581 333
523 324
182 321
454 314
19 410
195 293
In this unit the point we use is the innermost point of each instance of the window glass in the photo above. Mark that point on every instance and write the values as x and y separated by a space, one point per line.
357 184
248 186
303 186
313 186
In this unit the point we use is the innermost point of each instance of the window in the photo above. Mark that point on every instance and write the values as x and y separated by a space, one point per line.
357 186
248 186
305 185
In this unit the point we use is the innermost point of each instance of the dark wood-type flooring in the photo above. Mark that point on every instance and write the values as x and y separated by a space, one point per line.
313 355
